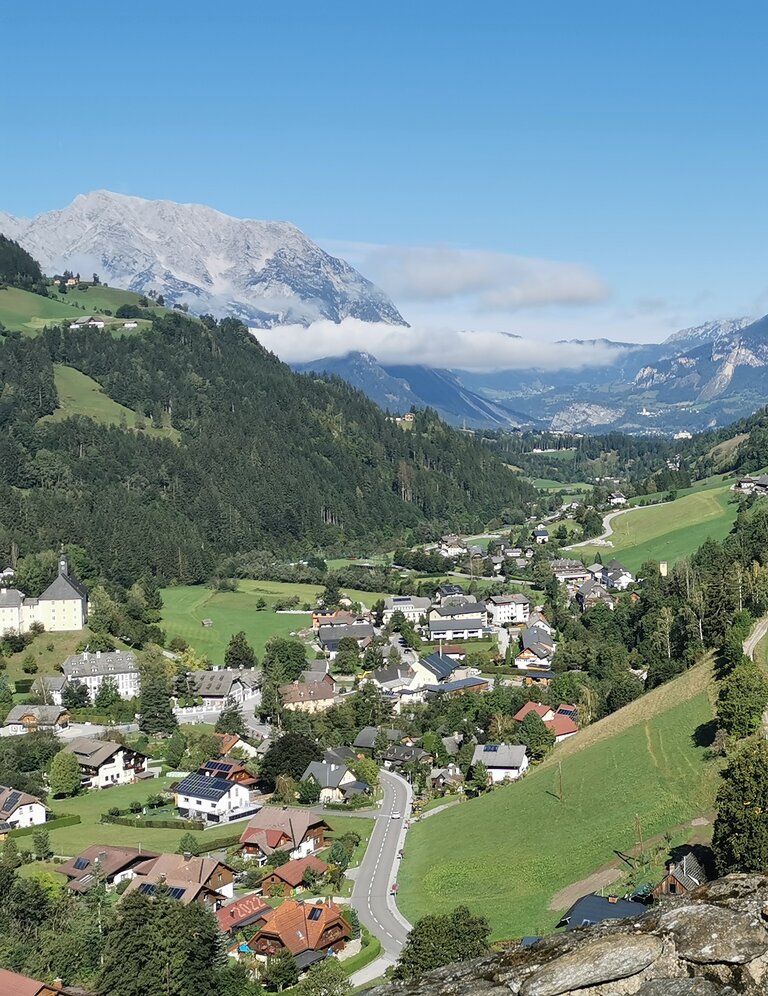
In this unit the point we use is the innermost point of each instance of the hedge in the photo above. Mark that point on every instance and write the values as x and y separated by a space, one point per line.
60 821
133 821
221 843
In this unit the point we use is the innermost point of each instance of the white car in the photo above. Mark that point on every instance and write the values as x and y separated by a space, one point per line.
395 816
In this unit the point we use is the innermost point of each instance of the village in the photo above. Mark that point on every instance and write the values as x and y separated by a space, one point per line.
295 846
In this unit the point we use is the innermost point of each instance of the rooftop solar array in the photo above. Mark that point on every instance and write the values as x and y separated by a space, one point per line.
81 863
204 787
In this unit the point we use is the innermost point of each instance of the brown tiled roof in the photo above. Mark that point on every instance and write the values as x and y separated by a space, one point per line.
292 872
271 824
227 741
81 869
12 984
298 927
298 691
11 799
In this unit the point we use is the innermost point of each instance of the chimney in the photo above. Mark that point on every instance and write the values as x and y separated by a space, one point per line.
187 855
613 899
98 654
102 857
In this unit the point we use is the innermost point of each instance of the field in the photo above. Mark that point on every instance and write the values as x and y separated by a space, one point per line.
48 651
508 853
90 806
184 608
670 531
28 312
547 484
81 395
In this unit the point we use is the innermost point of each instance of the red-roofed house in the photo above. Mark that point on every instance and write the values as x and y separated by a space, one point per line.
310 931
12 984
562 721
290 876
243 913
293 830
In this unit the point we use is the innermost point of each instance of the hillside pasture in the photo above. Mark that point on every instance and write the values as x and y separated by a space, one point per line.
24 311
669 531
508 853
184 609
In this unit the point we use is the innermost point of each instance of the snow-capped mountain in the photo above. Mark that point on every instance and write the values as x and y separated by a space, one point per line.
709 332
265 272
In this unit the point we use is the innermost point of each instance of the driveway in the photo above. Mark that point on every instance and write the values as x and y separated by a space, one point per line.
376 874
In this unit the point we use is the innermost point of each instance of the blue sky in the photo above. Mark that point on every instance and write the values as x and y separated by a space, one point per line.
627 140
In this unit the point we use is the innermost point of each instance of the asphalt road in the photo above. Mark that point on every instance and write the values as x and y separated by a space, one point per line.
758 632
378 870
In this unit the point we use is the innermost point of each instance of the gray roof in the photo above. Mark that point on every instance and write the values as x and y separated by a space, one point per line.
402 754
396 602
50 683
594 909
205 787
211 684
392 672
448 625
62 588
45 715
499 755
10 598
440 665
327 775
366 738
687 871
510 599
110 662
333 634
462 609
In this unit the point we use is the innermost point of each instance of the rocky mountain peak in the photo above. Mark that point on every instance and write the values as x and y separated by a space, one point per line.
264 272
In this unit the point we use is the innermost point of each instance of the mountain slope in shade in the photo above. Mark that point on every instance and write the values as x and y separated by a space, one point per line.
264 272
399 388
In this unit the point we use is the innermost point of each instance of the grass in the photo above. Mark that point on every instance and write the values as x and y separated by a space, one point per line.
49 651
547 484
81 395
27 312
184 609
670 531
506 854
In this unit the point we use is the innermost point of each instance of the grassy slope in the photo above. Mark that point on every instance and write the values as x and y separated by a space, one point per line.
81 395
508 853
184 609
29 312
671 531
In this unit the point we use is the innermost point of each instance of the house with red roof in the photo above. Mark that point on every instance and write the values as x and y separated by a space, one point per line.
310 931
562 721
290 876
243 913
293 830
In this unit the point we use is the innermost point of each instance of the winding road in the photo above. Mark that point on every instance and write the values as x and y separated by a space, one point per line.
377 872
608 528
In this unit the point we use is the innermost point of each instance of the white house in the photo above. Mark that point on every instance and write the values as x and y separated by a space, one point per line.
221 685
27 718
214 800
93 668
452 546
617 498
413 607
615 575
336 781
104 763
18 809
504 762
88 322
506 610
457 629
541 534
62 607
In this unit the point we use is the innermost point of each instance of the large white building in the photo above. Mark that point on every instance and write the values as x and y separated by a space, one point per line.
506 610
93 668
62 607
17 809
413 607
104 763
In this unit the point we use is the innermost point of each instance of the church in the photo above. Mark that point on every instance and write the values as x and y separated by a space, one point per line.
62 607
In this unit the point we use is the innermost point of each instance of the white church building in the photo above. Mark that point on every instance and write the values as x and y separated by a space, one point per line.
62 607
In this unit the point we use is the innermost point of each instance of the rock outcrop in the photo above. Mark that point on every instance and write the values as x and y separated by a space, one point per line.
712 942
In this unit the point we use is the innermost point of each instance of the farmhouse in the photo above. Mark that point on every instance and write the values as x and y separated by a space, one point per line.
102 864
508 610
204 881
505 762
296 831
19 809
92 669
88 322
103 763
25 718
291 876
617 499
329 617
217 687
310 931
211 799
451 546
231 741
62 607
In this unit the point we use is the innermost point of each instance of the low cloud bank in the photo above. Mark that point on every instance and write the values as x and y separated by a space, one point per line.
479 351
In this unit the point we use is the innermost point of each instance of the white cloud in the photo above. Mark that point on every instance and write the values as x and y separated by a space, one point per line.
490 281
432 346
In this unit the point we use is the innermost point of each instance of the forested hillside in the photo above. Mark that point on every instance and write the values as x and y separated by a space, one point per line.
267 459
19 269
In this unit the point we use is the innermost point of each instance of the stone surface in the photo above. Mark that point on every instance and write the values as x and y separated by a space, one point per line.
710 934
684 987
601 961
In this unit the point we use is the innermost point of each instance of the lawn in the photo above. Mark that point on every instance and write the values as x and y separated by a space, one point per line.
547 484
49 651
28 312
670 531
184 609
81 395
506 854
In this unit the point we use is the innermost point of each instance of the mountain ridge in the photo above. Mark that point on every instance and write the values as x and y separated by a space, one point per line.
265 273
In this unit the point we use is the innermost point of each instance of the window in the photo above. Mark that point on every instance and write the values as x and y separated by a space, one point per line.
315 913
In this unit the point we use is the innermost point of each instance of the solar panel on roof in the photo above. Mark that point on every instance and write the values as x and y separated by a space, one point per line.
315 913
176 893
492 748
148 888
11 801
81 863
